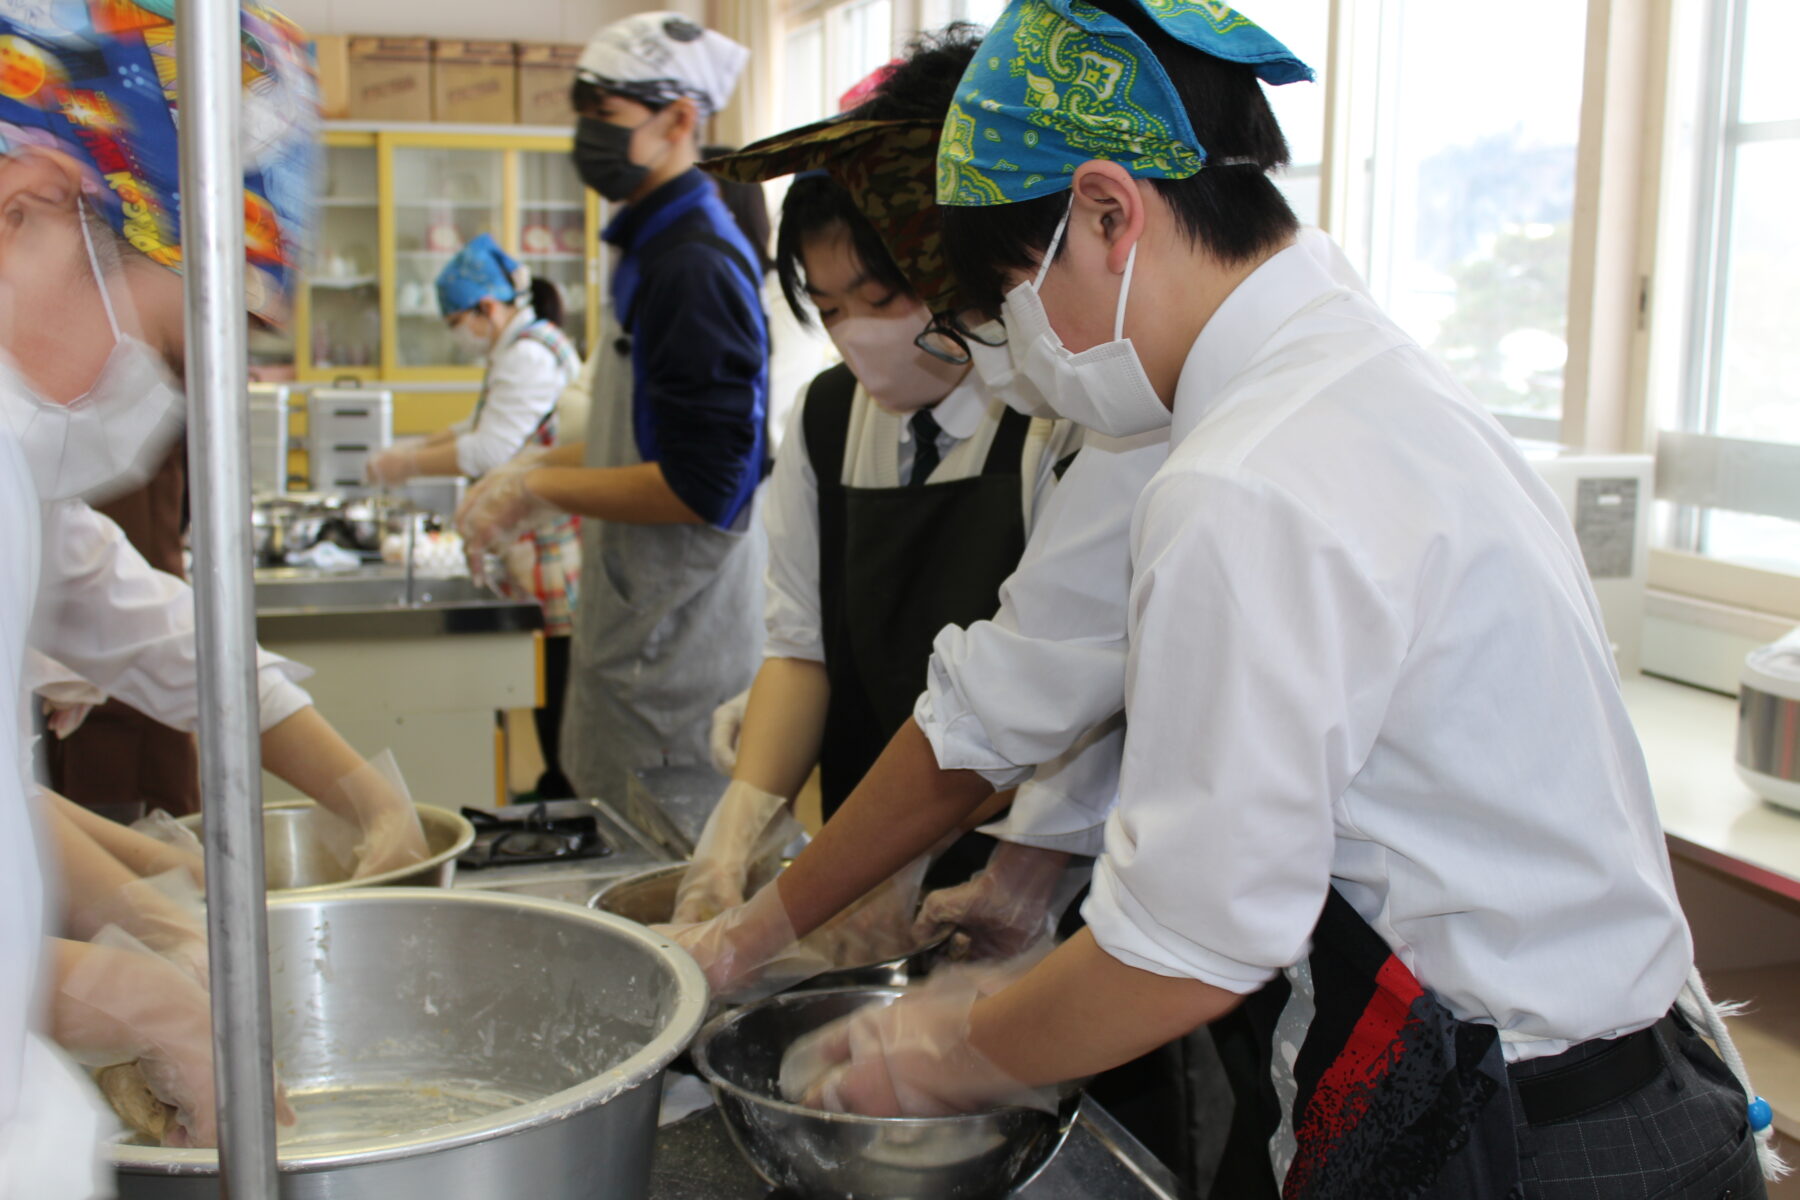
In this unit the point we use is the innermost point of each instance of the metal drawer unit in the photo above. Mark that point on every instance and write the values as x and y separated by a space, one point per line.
344 427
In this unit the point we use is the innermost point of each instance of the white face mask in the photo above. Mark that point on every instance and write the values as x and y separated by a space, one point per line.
993 365
899 377
112 438
471 342
1104 388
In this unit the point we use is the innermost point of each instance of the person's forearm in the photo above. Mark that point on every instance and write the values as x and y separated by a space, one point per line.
308 753
638 494
565 454
143 855
784 724
903 807
1082 1011
437 458
443 437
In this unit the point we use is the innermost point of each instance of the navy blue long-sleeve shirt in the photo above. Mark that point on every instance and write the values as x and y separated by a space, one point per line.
688 292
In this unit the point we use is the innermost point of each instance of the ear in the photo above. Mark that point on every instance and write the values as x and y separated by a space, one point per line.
1107 200
686 120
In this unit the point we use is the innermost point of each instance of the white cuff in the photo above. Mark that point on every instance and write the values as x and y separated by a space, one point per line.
1130 933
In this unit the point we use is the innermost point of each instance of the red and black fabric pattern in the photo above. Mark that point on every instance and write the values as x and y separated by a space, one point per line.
1396 1096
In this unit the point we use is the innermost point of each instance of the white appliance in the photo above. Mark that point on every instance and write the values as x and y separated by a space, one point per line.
344 427
268 439
1768 743
1609 499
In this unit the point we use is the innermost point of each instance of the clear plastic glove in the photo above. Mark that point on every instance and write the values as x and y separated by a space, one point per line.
387 835
750 952
67 697
500 507
911 1058
395 465
116 1002
1004 910
747 827
727 724
180 848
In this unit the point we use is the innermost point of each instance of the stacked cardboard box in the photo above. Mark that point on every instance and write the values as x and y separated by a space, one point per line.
546 70
386 78
473 83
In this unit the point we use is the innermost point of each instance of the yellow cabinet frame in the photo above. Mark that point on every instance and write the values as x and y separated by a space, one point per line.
418 410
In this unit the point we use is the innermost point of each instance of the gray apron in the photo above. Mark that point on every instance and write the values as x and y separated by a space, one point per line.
670 623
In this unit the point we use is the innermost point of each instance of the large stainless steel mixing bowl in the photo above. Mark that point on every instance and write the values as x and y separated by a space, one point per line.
820 1155
297 859
452 1045
648 898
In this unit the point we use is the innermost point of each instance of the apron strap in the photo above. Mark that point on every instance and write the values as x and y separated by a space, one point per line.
1008 445
826 421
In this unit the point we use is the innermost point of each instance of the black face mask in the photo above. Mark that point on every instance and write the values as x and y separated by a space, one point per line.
602 156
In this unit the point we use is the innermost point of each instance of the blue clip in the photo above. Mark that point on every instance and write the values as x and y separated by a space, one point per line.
1762 1115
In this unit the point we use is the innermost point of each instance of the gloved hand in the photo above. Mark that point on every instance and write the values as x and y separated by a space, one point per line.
388 835
67 697
115 1002
1005 909
500 507
395 465
747 826
911 1058
750 952
727 724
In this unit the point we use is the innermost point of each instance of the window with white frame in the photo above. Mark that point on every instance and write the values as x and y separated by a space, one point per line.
1728 454
828 48
1460 165
1303 26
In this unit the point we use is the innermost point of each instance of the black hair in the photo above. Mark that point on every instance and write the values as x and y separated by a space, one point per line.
918 88
1233 212
546 300
749 209
586 96
922 84
818 204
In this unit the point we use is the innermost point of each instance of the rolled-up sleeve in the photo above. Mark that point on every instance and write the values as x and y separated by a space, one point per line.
790 512
112 618
704 351
1262 660
522 384
1006 695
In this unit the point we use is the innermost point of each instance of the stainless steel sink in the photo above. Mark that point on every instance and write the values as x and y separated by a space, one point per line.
287 589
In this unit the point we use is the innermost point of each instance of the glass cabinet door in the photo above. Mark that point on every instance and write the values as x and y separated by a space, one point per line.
442 197
342 282
553 236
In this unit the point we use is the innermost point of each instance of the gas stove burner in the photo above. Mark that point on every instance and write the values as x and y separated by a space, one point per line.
534 837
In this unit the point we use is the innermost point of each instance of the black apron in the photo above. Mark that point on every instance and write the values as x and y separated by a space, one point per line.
1396 1097
896 565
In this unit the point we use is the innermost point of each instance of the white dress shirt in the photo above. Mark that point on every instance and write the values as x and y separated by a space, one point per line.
523 381
51 1122
116 621
1365 652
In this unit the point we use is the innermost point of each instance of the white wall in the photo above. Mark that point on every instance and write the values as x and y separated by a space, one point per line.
571 21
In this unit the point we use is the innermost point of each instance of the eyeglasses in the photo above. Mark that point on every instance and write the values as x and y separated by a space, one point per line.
947 339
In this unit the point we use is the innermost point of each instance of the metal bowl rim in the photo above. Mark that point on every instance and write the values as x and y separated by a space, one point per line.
465 837
635 878
635 1071
718 1025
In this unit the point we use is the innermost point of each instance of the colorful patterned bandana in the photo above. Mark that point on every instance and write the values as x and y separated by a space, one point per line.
95 79
887 167
1058 82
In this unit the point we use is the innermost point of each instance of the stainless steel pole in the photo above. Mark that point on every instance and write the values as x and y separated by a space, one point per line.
208 65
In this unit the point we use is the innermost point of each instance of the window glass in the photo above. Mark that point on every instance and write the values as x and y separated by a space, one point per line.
1303 27
1771 32
865 38
1759 364
1472 186
803 66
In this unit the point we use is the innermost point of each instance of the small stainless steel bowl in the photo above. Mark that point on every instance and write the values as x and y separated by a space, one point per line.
297 860
648 898
820 1155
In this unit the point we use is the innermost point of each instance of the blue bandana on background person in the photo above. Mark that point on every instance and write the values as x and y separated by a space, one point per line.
1059 82
479 270
96 80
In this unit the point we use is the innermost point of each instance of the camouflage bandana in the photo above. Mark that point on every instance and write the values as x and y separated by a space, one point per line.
889 169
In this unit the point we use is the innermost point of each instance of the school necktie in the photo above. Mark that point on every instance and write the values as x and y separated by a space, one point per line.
925 447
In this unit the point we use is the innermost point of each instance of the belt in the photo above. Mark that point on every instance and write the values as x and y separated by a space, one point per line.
1624 1066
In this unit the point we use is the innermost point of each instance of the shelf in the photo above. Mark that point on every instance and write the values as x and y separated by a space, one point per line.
426 253
485 205
554 256
554 205
345 283
1768 1035
349 202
